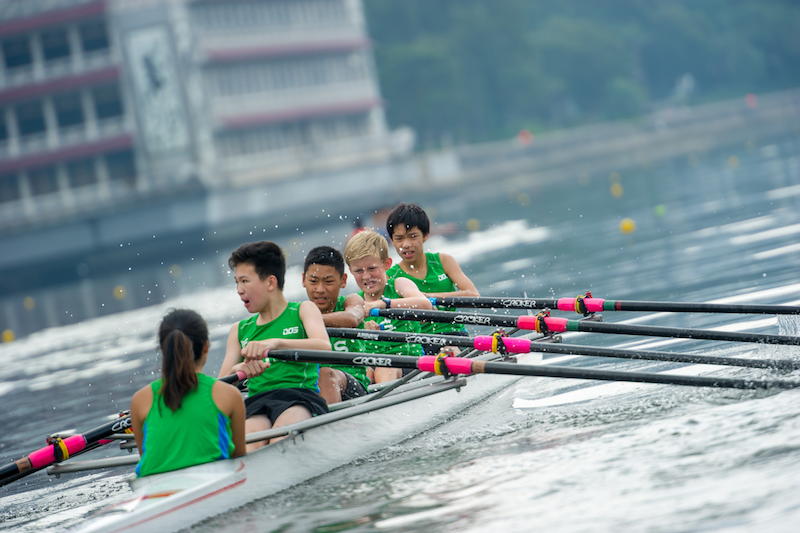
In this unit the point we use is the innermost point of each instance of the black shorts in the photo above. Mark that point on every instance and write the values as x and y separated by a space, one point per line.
272 403
430 349
353 389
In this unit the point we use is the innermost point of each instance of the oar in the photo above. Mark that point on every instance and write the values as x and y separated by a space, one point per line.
547 324
61 449
459 365
588 304
517 345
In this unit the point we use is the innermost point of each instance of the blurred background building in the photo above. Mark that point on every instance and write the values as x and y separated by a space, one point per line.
107 103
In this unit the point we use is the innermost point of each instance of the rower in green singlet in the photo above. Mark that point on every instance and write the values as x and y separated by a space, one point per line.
323 278
437 275
281 392
185 418
367 256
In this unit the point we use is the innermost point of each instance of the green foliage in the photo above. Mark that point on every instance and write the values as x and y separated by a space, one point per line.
474 70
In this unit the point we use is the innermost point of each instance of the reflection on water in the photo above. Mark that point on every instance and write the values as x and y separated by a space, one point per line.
668 458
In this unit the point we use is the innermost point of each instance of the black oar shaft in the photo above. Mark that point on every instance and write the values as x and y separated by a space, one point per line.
559 325
610 375
569 349
599 304
448 317
684 333
459 365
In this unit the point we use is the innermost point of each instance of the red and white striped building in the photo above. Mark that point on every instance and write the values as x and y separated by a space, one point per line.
105 102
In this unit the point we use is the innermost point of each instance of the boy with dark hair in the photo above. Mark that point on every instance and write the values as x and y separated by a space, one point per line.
437 275
281 392
367 255
323 278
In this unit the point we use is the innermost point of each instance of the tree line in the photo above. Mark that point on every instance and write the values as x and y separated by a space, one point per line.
476 70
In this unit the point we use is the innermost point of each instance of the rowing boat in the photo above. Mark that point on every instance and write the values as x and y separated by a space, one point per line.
178 499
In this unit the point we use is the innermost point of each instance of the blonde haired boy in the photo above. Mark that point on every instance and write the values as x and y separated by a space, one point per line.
367 256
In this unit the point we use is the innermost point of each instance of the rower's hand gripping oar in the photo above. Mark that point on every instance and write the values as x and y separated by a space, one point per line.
59 449
586 304
499 343
449 365
545 324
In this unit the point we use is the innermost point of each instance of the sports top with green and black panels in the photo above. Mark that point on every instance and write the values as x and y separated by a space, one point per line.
349 345
391 324
280 374
435 281
197 433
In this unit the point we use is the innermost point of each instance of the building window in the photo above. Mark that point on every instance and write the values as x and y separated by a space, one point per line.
9 189
43 181
245 78
277 137
81 173
55 44
93 35
107 101
121 167
30 118
17 52
244 15
69 111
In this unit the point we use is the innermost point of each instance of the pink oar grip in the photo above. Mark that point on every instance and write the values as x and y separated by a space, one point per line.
513 345
456 365
553 324
593 305
241 375
46 456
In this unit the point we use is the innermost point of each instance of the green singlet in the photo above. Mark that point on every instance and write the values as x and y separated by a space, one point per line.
435 281
391 324
280 374
197 433
349 345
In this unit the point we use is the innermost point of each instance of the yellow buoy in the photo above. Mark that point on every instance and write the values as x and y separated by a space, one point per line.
473 224
29 303
627 225
733 162
8 335
175 271
616 190
119 292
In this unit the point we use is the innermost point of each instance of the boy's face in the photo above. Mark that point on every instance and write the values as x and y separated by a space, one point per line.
323 283
408 243
370 274
252 289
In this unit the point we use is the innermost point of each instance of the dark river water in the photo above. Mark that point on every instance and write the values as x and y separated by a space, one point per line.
544 454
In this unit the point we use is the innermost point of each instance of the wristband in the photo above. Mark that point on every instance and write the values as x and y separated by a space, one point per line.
388 302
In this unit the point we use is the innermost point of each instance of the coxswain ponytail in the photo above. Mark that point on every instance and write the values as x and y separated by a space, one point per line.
183 335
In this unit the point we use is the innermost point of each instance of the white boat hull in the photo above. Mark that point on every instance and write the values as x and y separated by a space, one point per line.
175 500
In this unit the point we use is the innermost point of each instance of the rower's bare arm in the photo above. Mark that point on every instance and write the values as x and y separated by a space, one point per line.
140 406
351 317
229 401
462 282
412 297
315 330
233 357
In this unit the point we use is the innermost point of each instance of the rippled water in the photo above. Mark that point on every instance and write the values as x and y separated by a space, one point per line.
553 454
